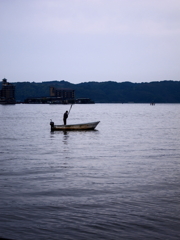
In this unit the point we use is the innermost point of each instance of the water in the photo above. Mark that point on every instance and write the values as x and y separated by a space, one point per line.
121 181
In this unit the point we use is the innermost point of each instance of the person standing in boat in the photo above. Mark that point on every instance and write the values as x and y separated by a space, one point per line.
65 117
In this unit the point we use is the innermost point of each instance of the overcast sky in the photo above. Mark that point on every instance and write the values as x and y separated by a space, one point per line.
90 40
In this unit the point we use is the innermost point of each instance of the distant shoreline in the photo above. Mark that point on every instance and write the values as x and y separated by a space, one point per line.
106 92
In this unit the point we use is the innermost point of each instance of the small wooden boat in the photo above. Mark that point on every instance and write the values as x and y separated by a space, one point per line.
81 126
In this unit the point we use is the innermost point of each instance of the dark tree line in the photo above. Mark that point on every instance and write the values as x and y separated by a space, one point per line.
106 92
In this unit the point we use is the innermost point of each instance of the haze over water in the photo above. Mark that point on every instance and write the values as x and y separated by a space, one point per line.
121 181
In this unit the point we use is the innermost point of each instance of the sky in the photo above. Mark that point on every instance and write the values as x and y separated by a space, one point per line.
90 40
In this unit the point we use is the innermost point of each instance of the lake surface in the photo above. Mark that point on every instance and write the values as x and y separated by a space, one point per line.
121 181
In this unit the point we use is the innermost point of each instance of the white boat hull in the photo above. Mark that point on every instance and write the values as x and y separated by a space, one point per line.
81 126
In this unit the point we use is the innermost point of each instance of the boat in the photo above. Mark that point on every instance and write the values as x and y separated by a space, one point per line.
80 126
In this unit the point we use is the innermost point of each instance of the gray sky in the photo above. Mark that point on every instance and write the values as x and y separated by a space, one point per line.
90 40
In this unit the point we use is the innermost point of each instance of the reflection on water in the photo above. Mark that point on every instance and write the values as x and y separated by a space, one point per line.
65 137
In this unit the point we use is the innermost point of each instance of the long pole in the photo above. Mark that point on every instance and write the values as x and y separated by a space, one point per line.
70 109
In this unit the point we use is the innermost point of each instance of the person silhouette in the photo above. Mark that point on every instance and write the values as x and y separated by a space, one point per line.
65 117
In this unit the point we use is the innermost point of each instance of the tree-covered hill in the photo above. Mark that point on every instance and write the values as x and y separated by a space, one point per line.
107 92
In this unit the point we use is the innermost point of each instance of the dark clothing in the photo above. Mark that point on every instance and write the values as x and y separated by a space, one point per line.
65 117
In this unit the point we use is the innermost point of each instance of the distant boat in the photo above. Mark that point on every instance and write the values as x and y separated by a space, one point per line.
81 126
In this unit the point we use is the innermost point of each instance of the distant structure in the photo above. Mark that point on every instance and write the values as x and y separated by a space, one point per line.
59 96
7 93
63 95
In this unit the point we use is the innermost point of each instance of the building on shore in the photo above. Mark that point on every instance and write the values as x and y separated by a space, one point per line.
7 93
64 95
59 96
